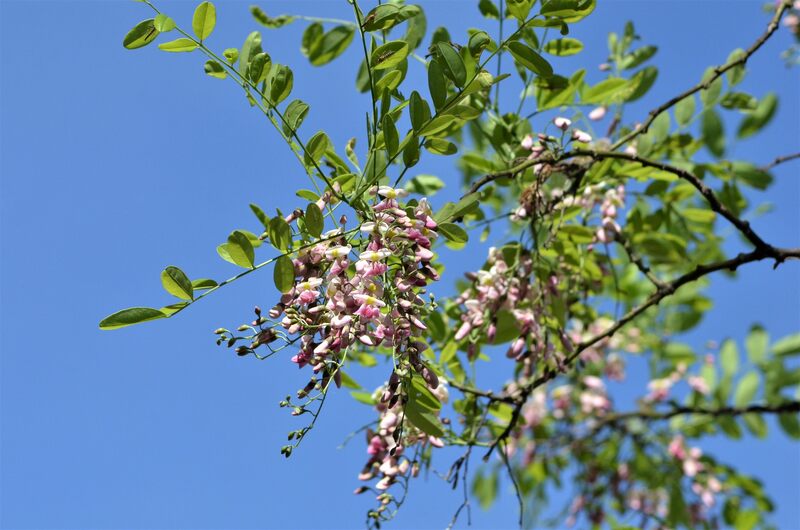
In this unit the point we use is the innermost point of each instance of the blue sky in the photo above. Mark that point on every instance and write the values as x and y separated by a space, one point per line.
115 164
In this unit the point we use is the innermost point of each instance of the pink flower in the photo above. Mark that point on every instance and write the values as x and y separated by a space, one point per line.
581 136
598 114
562 123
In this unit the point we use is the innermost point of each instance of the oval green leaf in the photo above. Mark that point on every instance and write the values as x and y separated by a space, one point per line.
176 283
284 274
142 34
315 222
389 54
179 45
204 20
528 58
131 316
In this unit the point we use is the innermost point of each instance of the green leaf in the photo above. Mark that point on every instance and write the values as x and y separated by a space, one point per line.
204 20
563 47
789 345
488 9
437 85
280 233
756 344
485 488
452 63
280 83
528 58
389 81
684 110
425 185
390 137
316 147
713 133
519 9
756 424
453 232
422 396
438 124
294 115
790 423
270 22
440 146
142 34
163 23
411 152
259 213
214 69
179 45
331 45
259 67
202 284
758 118
315 222
637 57
128 317
738 100
284 274
389 54
709 96
699 215
751 175
250 48
176 283
641 83
238 250
606 91
746 390
729 357
384 17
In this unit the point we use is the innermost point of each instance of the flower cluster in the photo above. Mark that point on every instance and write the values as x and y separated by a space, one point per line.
361 287
704 484
373 299
659 388
389 446
501 287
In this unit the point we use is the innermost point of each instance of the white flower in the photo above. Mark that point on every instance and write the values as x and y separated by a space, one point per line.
527 142
338 252
581 136
390 193
375 255
598 114
366 299
562 123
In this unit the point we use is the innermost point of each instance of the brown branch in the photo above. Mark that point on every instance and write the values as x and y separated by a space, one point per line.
488 394
707 193
781 160
780 408
740 59
780 255
637 260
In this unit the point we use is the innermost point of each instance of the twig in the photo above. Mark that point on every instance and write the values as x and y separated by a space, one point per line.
740 59
781 160
654 299
637 260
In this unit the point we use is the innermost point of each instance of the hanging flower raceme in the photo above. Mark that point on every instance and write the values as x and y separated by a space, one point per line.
356 288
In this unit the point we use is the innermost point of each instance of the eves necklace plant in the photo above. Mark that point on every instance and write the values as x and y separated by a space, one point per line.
624 219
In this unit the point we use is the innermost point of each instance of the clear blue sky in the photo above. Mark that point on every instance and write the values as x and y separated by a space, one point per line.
115 164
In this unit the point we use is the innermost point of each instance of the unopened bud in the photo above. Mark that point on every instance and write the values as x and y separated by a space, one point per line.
219 331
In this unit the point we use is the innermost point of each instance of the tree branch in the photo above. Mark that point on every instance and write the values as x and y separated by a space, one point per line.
741 59
780 255
781 160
